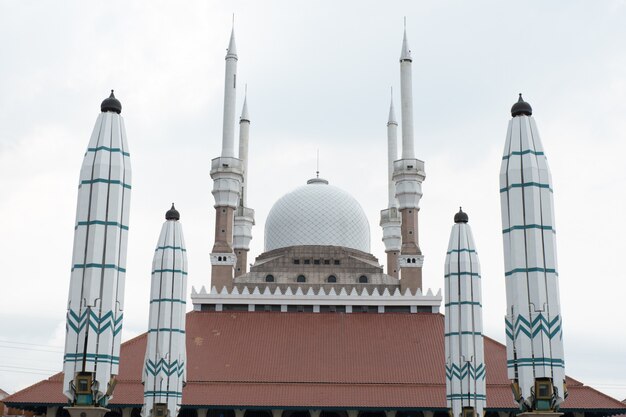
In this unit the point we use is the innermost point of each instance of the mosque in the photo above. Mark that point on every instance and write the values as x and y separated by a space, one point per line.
315 326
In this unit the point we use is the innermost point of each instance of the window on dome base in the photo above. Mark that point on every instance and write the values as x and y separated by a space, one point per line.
337 262
362 279
301 278
332 278
269 278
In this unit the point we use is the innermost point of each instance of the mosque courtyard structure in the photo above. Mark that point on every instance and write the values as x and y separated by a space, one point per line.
315 326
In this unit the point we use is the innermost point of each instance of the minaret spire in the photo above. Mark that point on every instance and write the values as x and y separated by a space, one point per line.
244 135
227 173
408 175
390 219
230 90
244 216
96 297
392 152
406 98
465 359
533 318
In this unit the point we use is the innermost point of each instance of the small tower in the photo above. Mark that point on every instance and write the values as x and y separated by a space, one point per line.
244 216
164 370
96 297
227 175
408 175
390 219
465 359
533 319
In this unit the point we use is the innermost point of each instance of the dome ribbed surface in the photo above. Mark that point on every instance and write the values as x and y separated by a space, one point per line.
317 214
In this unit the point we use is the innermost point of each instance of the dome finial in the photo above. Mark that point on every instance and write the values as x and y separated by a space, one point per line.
461 216
521 108
111 104
172 214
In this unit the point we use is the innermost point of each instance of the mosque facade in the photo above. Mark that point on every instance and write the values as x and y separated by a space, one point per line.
315 326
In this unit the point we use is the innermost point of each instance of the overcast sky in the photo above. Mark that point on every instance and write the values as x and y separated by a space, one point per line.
318 76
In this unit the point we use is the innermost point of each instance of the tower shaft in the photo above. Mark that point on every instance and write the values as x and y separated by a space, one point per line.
406 97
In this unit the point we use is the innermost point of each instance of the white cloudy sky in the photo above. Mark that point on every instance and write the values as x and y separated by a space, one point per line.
318 76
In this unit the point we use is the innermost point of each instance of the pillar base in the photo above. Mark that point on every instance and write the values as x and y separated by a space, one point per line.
79 411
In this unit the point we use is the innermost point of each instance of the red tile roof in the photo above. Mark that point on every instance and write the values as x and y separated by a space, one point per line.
323 360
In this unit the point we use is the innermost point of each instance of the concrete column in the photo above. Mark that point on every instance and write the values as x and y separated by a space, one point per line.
239 412
127 411
277 412
428 413
353 413
51 411
391 413
315 413
202 412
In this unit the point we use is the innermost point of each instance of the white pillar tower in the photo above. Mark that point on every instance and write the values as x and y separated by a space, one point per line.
408 175
227 175
465 358
164 370
390 218
96 297
244 216
533 317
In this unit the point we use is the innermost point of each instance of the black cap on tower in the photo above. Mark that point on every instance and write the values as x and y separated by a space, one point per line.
172 214
521 108
111 104
461 216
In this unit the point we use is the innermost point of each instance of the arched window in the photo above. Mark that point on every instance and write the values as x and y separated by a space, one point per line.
301 278
269 278
331 278
362 279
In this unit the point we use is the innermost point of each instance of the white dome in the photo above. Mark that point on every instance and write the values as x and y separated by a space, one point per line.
317 214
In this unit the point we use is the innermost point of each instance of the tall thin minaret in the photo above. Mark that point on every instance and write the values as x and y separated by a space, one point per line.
244 216
533 317
390 219
227 175
465 358
164 369
230 90
96 297
406 98
408 174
